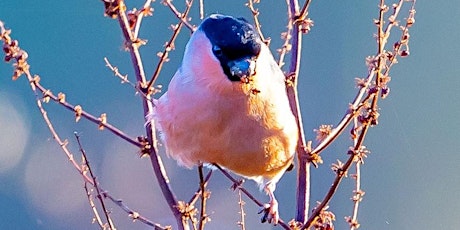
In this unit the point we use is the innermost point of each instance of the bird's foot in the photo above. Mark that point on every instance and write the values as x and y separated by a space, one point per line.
271 214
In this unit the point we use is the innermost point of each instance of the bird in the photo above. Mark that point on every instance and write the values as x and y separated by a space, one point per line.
227 105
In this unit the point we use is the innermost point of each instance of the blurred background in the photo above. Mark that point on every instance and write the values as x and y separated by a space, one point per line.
410 178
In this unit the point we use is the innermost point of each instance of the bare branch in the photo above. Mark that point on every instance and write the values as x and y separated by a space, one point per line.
241 204
170 44
145 11
22 67
95 182
364 111
204 197
132 43
201 9
180 16
237 184
255 14
133 214
97 217
303 173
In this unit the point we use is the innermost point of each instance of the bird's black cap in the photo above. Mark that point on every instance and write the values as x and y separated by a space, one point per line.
232 39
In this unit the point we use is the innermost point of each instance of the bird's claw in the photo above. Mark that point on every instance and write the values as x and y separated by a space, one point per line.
270 213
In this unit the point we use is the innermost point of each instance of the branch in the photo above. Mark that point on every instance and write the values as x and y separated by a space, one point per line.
124 79
15 53
204 218
398 50
95 184
241 204
180 16
97 217
365 112
237 184
357 193
79 112
133 43
133 214
255 15
170 44
303 173
145 11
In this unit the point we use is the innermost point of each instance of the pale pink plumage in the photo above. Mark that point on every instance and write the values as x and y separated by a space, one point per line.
247 128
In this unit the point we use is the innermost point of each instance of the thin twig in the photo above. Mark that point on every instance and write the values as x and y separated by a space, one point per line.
255 14
237 184
369 105
79 112
357 193
204 197
124 79
286 36
133 214
13 52
241 204
97 217
354 106
157 164
95 182
201 9
198 191
146 9
170 44
179 16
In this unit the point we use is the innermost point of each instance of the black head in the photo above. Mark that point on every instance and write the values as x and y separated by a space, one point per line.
234 42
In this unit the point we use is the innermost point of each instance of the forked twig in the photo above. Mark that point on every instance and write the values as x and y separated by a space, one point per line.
255 14
303 173
15 53
95 183
365 110
204 197
179 15
237 184
170 44
132 44
133 214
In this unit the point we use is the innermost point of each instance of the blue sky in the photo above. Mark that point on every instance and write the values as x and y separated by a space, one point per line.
410 178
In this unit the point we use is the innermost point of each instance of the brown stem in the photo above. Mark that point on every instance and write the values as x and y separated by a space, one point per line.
95 183
238 185
179 15
204 198
303 173
170 45
157 164
83 113
255 15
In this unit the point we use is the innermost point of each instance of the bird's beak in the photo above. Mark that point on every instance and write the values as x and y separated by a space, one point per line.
243 68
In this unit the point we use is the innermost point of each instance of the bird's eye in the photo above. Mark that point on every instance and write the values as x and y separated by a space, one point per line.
217 51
